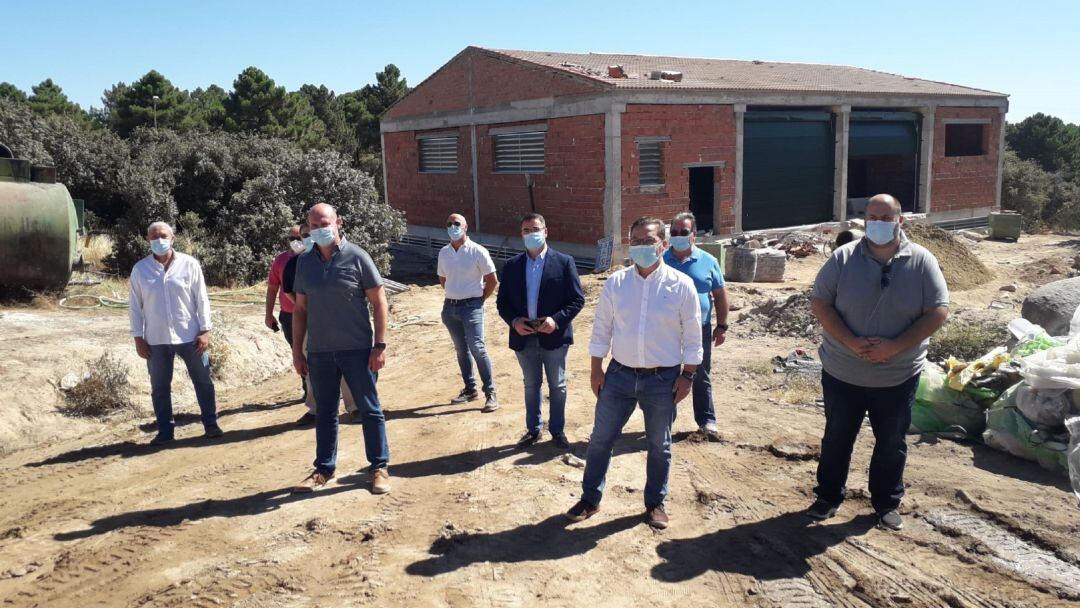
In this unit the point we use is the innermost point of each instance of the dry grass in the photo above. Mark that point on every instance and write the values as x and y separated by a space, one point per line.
966 340
95 248
103 392
799 388
220 353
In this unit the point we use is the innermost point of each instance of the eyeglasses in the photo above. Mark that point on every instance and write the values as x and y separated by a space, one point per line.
885 275
449 224
682 232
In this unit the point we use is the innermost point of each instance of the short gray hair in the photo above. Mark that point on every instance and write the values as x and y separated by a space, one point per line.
156 225
686 215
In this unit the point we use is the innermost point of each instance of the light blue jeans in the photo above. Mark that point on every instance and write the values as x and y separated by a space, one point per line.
160 365
623 391
535 361
464 319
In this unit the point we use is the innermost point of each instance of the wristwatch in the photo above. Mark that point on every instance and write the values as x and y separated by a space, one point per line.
688 375
379 345
722 327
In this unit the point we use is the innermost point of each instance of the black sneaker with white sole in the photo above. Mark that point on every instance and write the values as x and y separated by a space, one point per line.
820 510
490 403
465 396
528 439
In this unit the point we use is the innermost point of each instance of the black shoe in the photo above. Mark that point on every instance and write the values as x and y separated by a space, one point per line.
465 396
891 520
161 439
560 441
582 511
528 439
307 419
820 510
491 403
213 431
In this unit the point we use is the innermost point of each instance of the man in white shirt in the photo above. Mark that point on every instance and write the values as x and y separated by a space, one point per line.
649 320
170 316
467 274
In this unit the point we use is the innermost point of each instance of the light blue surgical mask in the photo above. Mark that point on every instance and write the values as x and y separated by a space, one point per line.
160 246
455 232
534 241
644 255
308 243
680 243
297 246
881 233
323 236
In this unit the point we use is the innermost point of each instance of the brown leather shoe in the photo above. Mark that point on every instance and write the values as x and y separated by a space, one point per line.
582 511
380 481
315 481
657 517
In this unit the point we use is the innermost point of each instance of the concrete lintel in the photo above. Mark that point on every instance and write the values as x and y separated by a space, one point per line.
926 159
840 161
966 121
562 107
651 139
716 163
801 99
436 134
540 126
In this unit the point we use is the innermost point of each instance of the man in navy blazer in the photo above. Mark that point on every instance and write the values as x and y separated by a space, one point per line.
539 297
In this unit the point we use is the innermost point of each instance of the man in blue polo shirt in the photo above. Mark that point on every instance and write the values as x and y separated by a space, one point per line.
334 283
702 267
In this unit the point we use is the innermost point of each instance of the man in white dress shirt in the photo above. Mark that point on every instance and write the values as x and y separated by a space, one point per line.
649 320
170 316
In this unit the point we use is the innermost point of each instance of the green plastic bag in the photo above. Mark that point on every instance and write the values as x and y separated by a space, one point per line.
1009 431
939 409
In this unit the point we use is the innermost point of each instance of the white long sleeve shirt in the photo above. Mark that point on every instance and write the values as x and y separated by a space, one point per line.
650 322
168 306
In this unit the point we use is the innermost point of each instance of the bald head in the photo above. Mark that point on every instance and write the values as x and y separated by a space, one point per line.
457 217
322 215
883 205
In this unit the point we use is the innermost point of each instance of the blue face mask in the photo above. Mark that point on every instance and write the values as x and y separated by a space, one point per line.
455 232
323 236
160 246
644 255
880 233
308 243
680 243
534 240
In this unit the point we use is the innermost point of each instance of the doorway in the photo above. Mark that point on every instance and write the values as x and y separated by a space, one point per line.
702 196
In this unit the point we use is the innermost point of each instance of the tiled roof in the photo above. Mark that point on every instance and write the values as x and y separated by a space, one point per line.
736 75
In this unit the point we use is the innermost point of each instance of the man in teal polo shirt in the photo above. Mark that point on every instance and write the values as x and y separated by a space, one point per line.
702 267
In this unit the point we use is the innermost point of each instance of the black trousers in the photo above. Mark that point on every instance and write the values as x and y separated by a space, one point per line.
285 319
846 405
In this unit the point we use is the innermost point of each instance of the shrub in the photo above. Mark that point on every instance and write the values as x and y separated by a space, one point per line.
104 390
966 340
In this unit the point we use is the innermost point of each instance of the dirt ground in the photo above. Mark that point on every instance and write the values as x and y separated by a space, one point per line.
101 519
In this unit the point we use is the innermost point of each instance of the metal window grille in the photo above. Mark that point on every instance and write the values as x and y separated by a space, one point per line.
519 152
438 154
651 159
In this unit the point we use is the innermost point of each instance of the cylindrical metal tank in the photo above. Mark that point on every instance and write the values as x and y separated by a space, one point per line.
38 229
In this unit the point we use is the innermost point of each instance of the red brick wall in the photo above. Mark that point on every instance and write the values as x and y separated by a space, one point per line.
427 198
699 134
495 82
570 192
965 182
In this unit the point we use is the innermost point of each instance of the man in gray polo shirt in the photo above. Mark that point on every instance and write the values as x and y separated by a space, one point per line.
334 283
879 300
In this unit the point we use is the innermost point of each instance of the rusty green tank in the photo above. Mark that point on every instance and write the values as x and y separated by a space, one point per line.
38 227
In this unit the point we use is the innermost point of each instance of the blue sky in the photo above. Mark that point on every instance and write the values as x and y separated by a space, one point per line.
1029 50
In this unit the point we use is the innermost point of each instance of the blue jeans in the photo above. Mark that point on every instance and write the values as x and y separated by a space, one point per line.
535 361
890 416
623 391
160 365
465 321
702 392
325 371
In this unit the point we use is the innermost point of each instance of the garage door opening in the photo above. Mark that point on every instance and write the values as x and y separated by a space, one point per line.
702 194
883 158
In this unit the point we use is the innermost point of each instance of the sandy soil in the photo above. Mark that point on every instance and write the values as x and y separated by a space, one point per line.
103 519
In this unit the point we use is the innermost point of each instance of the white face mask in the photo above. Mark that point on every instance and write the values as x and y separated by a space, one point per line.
296 245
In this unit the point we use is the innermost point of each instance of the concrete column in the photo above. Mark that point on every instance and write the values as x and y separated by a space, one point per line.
382 152
840 161
740 115
1001 157
613 175
926 158
475 178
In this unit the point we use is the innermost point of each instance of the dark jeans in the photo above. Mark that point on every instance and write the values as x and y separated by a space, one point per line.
702 393
464 319
160 366
535 362
325 370
890 416
623 391
285 319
